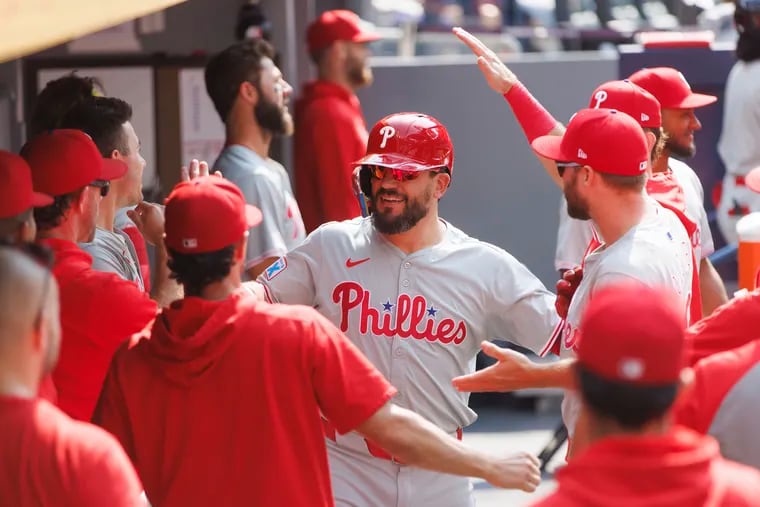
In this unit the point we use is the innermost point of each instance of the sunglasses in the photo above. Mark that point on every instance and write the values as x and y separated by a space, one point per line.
43 256
561 166
103 185
379 172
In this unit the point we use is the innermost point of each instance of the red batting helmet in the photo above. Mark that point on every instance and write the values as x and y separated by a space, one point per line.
409 142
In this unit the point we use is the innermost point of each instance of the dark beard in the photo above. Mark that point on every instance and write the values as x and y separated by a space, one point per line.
577 212
360 76
414 211
272 118
680 151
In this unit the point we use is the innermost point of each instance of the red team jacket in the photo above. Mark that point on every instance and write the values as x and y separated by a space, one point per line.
222 405
330 135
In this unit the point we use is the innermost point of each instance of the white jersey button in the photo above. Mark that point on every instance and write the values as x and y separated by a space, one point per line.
407 265
399 352
405 283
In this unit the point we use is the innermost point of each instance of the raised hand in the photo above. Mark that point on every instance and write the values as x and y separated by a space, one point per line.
196 169
497 74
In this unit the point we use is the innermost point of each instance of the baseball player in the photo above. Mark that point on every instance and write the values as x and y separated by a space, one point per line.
738 146
251 97
602 157
628 378
580 236
286 364
417 296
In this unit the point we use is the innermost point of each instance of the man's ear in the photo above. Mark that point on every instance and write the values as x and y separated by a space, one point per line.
248 92
442 182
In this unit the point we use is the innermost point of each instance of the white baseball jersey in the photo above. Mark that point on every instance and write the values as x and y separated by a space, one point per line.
656 252
419 317
738 146
573 235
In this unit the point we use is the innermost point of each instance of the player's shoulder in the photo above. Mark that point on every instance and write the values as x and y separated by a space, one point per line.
683 172
77 437
287 321
239 162
459 241
354 229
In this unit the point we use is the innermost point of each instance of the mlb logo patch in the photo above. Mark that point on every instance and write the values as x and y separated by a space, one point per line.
189 243
275 268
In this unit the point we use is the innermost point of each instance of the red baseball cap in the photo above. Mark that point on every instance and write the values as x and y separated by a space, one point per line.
630 99
65 160
633 333
670 88
607 140
207 214
752 180
16 194
337 25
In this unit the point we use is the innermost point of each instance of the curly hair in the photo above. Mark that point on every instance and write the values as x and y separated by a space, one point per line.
51 216
196 271
58 98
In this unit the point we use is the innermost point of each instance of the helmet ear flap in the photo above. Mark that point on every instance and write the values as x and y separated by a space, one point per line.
365 177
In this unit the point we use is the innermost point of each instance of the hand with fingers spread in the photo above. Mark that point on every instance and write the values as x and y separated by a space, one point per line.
149 219
566 287
196 169
518 471
497 74
513 371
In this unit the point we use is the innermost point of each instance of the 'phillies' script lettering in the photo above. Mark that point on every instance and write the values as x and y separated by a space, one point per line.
410 320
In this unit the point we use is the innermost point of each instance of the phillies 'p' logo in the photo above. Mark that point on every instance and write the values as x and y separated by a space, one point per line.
599 97
387 132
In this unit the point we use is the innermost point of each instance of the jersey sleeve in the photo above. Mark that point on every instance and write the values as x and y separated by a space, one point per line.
290 279
111 410
521 310
349 388
132 310
573 237
337 144
705 233
266 239
108 477
731 325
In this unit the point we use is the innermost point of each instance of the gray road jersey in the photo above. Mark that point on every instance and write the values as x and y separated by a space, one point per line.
420 317
113 252
266 185
656 252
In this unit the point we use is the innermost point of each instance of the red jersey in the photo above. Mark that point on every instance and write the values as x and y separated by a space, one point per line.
222 405
724 402
48 459
330 134
679 469
99 311
729 326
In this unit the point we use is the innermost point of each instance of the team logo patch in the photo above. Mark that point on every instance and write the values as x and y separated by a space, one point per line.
276 268
631 368
582 154
599 97
387 132
644 117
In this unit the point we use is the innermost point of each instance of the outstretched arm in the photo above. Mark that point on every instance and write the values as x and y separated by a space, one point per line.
534 119
514 371
420 443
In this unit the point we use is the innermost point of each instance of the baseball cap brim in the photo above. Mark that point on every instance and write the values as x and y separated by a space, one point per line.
394 162
366 37
253 215
112 169
753 180
696 100
550 147
41 200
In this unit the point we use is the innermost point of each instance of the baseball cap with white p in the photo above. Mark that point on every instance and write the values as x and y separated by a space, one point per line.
630 99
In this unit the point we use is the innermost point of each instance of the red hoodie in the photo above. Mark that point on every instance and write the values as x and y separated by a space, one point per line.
222 405
330 135
680 469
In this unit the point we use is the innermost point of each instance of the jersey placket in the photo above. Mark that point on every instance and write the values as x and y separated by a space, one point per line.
399 347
